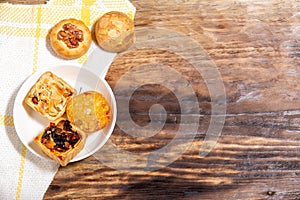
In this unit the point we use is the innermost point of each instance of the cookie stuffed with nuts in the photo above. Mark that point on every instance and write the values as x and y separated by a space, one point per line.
70 38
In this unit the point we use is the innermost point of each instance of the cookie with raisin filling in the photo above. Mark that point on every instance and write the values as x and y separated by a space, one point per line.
61 140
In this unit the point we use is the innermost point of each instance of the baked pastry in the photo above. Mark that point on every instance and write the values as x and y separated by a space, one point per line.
61 141
89 111
70 38
114 31
49 96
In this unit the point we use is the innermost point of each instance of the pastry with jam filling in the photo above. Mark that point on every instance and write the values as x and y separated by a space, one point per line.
61 141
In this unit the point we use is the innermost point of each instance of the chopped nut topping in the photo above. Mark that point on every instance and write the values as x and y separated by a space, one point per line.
70 35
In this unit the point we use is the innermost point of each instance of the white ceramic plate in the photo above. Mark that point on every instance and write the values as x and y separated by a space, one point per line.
28 123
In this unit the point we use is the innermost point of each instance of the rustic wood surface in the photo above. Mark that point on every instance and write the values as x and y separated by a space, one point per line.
255 46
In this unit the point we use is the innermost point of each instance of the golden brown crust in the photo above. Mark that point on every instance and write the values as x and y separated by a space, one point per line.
89 111
49 96
114 31
66 143
61 47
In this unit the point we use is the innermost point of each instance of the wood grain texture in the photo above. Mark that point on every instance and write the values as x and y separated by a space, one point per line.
255 46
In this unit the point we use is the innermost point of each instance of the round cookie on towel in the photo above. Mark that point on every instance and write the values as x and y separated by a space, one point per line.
114 31
70 38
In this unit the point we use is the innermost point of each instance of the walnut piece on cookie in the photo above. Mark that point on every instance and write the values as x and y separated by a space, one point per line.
89 111
70 38
114 31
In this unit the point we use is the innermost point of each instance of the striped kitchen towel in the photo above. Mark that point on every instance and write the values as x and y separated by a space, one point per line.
24 50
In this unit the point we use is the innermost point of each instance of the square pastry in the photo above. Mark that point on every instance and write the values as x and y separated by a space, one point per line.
61 141
49 96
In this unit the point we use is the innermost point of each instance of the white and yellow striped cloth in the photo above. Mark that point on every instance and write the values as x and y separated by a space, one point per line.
23 50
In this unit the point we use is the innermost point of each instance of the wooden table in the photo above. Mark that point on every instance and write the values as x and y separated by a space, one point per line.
255 47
